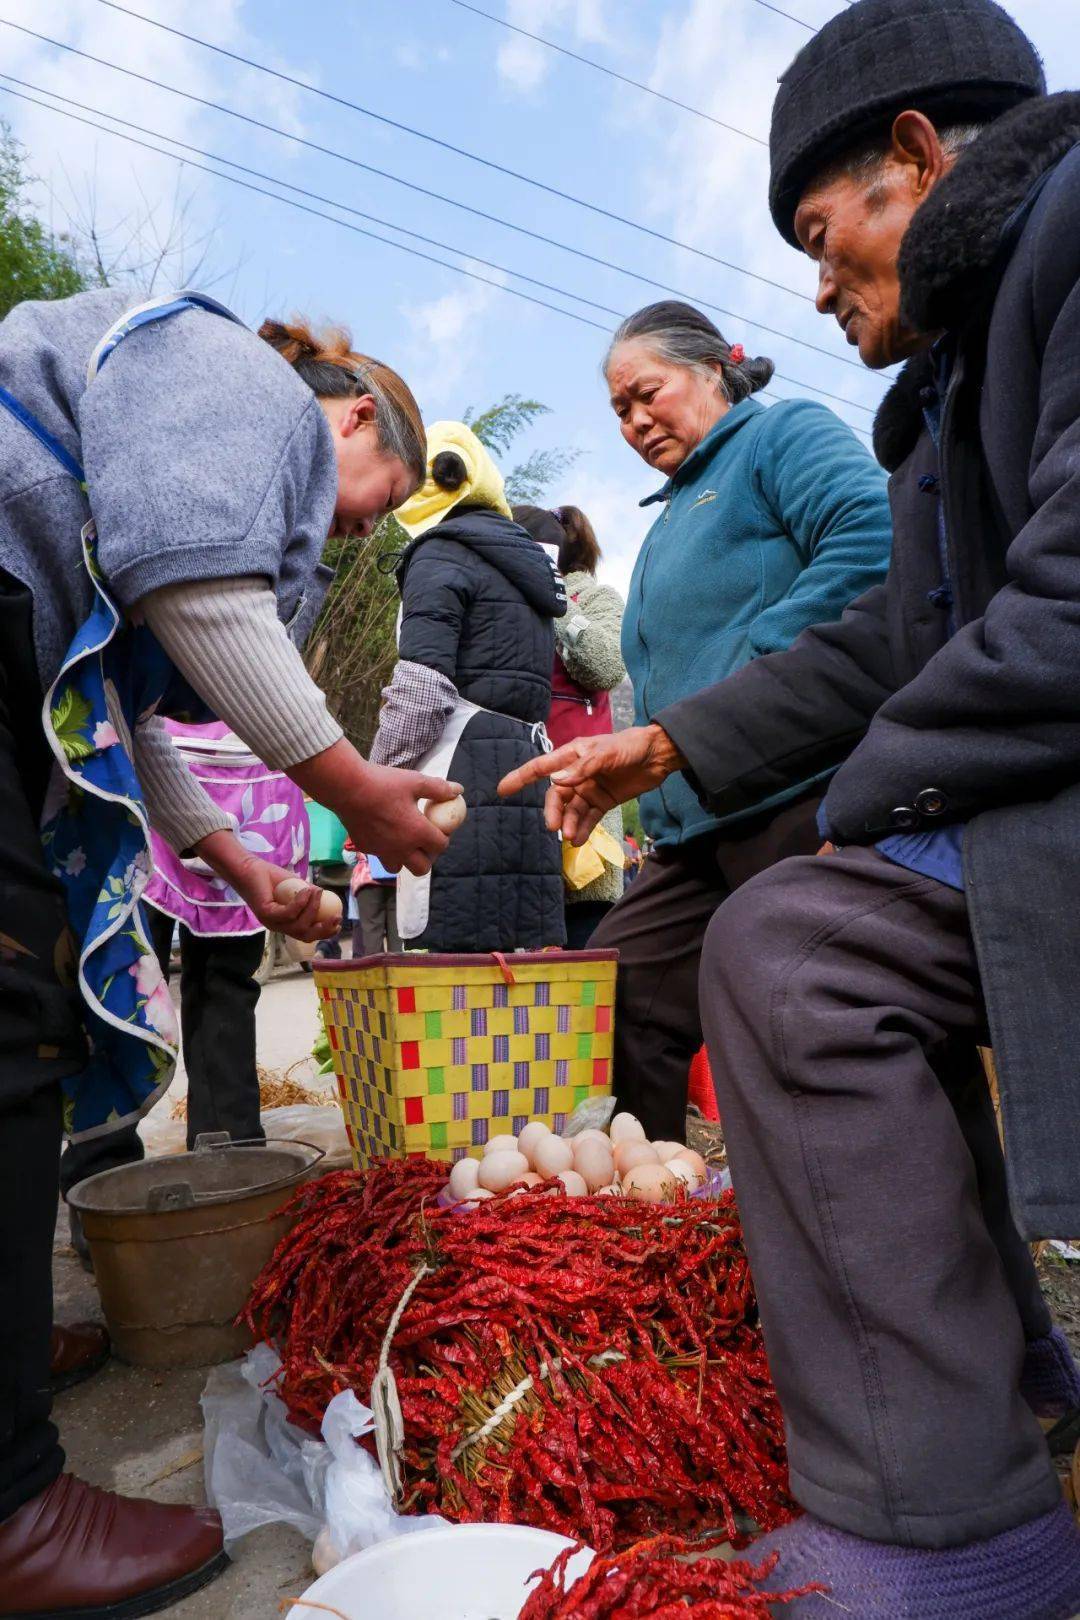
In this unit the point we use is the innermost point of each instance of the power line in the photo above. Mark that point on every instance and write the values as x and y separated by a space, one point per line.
417 236
425 191
611 73
459 151
290 203
789 15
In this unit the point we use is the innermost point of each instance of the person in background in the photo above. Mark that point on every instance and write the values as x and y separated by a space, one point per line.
471 689
372 904
588 667
918 161
169 480
771 520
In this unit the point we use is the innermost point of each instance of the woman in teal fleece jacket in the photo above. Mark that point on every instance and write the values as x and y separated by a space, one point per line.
772 519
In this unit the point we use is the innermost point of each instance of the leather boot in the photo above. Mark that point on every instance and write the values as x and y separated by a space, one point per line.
80 1552
77 1353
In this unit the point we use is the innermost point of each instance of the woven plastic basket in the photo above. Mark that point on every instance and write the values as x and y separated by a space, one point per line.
434 1054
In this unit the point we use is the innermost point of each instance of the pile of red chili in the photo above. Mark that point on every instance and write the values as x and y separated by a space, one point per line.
619 1339
654 1578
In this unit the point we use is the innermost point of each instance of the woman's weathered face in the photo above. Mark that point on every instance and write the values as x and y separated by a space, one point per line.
370 482
664 410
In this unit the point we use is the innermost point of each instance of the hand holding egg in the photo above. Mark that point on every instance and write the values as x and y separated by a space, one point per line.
329 904
446 814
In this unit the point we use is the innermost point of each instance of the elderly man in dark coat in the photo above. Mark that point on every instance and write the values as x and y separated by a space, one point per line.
918 160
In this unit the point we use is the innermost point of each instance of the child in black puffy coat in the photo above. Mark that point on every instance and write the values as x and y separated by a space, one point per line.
468 699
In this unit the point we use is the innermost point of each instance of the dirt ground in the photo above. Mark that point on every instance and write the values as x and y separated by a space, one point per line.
141 1432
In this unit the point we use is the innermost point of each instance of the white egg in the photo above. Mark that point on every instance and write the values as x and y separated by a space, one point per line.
651 1183
530 1136
552 1155
684 1172
500 1170
590 1136
668 1150
628 1154
614 1191
464 1177
593 1162
696 1170
446 814
526 1183
480 1193
574 1184
329 903
625 1128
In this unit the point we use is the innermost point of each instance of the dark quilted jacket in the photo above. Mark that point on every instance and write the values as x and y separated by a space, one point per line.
478 600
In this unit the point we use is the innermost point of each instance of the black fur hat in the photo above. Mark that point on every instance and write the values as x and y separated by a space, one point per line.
957 61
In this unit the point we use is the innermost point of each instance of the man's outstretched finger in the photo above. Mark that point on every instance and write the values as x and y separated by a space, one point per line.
566 758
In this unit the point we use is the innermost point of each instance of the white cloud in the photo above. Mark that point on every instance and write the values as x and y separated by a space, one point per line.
443 348
522 64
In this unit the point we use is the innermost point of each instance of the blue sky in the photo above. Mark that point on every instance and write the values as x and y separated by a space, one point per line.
468 81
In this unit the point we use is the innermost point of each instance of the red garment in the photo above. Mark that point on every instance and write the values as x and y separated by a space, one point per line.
575 711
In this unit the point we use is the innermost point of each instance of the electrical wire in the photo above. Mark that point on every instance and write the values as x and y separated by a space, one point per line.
768 5
437 196
460 151
600 67
290 202
387 224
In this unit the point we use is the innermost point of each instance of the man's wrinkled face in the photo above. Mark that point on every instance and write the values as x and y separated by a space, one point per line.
852 227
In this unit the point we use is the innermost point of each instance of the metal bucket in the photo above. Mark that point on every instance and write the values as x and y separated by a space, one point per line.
177 1243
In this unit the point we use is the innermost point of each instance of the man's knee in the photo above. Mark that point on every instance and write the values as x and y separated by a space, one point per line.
744 945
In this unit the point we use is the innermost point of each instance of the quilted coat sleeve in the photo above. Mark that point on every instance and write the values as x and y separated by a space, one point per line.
434 602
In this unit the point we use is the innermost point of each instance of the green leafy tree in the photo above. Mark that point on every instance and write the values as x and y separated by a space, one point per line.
351 652
498 426
33 262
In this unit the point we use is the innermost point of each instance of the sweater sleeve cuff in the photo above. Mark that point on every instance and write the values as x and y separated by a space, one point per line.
178 806
226 638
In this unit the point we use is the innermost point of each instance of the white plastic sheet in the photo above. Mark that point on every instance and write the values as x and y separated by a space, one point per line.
261 1469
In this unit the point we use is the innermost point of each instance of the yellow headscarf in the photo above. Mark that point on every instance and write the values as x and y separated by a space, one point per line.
483 484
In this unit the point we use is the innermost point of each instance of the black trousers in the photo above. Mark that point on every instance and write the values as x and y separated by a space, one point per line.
218 998
843 1008
658 928
41 1043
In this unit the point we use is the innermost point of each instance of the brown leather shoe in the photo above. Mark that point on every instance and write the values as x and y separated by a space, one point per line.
78 1352
88 1554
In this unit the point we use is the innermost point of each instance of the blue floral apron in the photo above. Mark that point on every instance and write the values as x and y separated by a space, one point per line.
114 676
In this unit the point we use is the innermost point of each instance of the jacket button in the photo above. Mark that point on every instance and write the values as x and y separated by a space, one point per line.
928 395
905 815
931 802
928 483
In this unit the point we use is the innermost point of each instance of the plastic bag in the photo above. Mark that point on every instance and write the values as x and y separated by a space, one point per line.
261 1469
162 1134
307 1122
595 1114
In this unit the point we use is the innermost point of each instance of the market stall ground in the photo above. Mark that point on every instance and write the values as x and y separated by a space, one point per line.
140 1431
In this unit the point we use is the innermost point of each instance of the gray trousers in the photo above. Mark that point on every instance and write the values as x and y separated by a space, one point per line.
841 1006
375 930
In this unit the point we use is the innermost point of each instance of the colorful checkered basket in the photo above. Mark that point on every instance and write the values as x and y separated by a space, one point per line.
434 1054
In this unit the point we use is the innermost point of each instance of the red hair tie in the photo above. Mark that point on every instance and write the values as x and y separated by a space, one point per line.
738 354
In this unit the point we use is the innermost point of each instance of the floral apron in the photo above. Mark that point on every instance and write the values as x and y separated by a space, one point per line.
97 839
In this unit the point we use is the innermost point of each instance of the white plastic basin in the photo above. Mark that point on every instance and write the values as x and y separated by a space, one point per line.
465 1572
